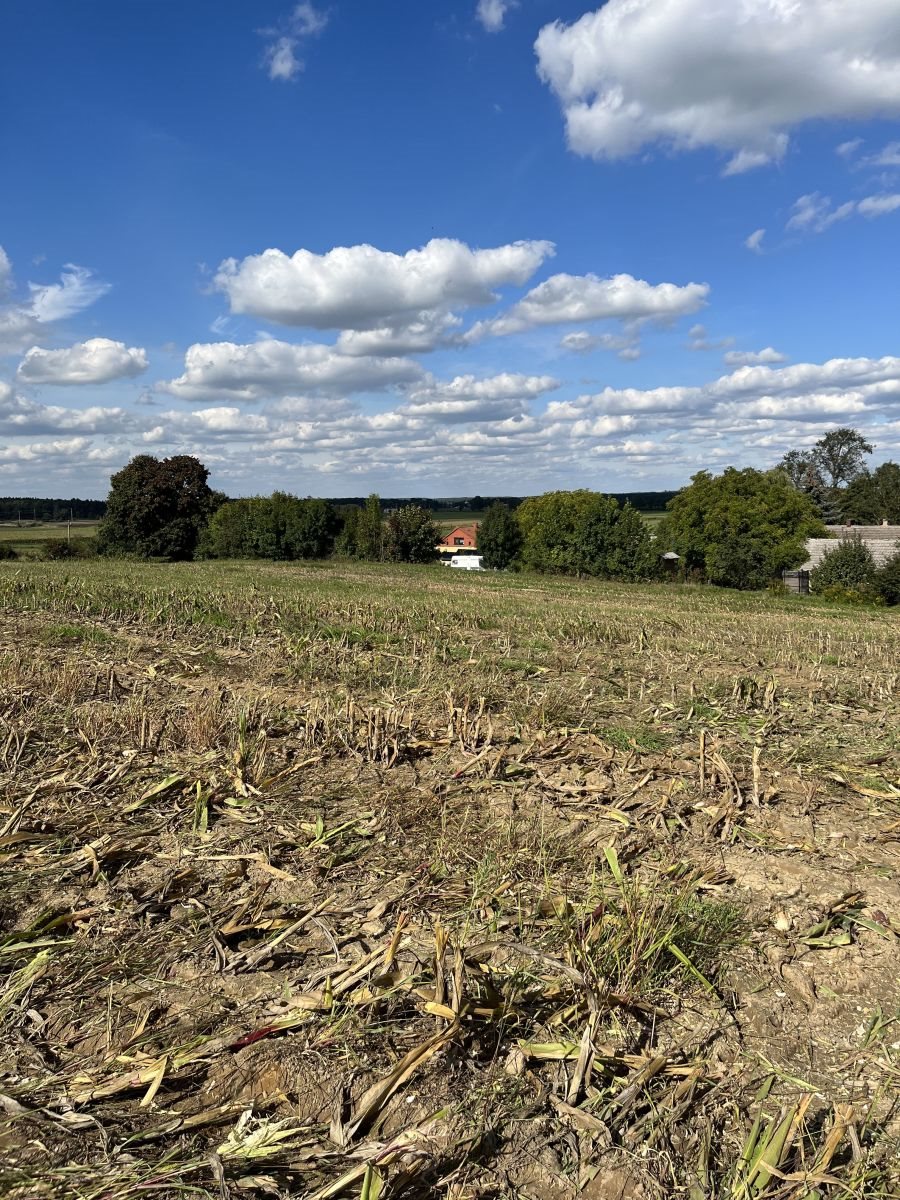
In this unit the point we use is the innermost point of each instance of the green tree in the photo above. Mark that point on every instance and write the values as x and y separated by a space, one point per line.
157 508
871 499
499 537
370 532
798 465
585 533
280 527
742 528
412 536
551 539
840 455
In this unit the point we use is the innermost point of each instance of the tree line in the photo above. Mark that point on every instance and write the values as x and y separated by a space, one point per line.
36 508
740 529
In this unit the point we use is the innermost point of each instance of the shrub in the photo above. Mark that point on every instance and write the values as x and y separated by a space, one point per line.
56 549
865 593
886 580
849 565
7 552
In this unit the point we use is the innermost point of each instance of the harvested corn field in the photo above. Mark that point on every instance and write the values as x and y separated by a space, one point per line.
355 881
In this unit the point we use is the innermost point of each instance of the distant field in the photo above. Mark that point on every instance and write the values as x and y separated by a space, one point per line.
449 519
29 538
44 530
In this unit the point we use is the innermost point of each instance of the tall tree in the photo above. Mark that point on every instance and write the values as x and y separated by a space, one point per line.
742 528
157 508
499 537
840 455
412 536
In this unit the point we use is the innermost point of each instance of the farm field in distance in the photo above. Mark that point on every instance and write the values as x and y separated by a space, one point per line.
29 538
345 880
447 520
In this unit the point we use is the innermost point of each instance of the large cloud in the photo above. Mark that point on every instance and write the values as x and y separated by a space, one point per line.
273 368
98 360
568 298
732 74
360 287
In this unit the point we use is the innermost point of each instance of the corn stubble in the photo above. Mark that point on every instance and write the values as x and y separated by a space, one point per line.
356 881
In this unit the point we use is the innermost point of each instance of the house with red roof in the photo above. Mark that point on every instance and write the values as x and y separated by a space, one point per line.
463 537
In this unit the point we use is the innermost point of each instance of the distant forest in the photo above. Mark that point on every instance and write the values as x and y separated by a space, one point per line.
643 501
35 508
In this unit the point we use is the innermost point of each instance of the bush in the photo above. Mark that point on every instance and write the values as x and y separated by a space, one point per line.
849 565
886 580
7 552
865 593
56 549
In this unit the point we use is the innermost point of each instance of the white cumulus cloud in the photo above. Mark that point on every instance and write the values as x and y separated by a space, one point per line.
568 298
755 240
363 288
98 360
736 75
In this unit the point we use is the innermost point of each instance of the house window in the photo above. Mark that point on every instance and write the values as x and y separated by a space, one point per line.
459 541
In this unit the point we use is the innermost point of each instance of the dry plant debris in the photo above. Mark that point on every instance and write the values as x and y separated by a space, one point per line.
355 881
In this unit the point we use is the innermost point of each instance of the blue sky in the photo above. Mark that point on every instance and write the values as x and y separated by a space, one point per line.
445 248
